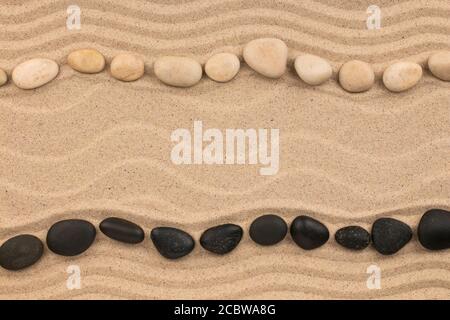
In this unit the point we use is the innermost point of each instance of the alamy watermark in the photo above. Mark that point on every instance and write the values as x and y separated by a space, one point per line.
73 21
373 21
233 146
374 279
74 280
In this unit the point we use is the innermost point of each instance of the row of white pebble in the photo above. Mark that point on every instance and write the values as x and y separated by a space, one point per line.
267 56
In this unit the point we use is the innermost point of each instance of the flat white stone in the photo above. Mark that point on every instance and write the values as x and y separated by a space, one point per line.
34 73
312 69
267 56
402 76
178 71
222 67
439 65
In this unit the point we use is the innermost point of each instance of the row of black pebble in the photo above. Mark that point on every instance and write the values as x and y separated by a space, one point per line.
73 237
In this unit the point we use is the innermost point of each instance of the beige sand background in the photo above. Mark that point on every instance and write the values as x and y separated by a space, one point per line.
88 146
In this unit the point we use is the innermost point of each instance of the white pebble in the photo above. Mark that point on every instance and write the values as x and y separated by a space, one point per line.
402 76
222 67
178 71
34 73
313 69
439 65
267 56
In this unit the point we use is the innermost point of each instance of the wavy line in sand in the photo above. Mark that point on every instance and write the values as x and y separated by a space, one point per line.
223 192
139 26
165 134
184 9
248 32
198 219
209 282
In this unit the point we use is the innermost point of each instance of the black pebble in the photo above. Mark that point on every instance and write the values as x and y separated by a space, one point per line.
221 239
434 229
353 237
122 230
390 235
308 233
268 230
172 243
70 237
21 252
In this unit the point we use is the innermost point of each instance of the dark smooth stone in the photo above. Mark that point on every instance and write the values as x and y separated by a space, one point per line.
71 237
308 233
172 243
21 252
390 235
221 239
122 230
268 230
434 229
353 237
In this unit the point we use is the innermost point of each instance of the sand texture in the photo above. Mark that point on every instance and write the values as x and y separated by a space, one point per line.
89 146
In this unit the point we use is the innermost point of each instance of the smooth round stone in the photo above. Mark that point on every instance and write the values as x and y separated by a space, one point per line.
172 243
127 67
353 237
3 77
390 235
313 69
34 73
402 76
122 230
221 239
267 56
434 229
86 61
178 71
71 237
308 233
21 252
268 230
439 65
356 76
222 67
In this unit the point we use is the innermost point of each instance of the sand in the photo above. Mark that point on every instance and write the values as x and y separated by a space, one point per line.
89 146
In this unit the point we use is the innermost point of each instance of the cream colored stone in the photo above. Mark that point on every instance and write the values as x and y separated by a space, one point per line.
222 67
3 77
34 73
402 76
178 71
86 61
127 67
356 76
267 56
439 65
313 69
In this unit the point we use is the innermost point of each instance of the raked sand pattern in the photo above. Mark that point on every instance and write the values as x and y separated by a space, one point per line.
89 146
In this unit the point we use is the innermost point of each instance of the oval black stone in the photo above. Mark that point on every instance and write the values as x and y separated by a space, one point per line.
221 239
122 230
353 237
268 230
390 235
434 229
172 243
21 252
308 233
71 237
